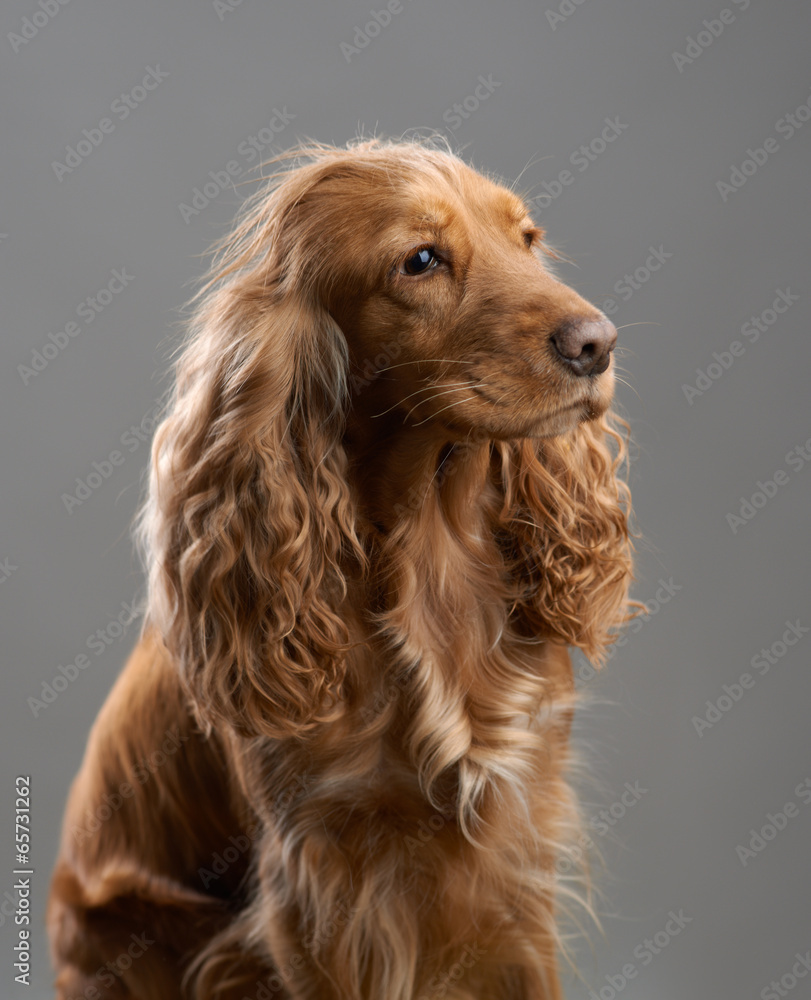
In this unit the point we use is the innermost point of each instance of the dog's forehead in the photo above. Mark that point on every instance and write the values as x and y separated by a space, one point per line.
463 195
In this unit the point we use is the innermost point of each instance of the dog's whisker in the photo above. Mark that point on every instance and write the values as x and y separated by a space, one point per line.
628 384
460 388
425 361
438 469
425 388
535 158
501 398
456 402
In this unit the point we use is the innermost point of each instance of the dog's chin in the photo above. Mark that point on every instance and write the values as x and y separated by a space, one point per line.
523 421
520 425
565 420
584 410
562 421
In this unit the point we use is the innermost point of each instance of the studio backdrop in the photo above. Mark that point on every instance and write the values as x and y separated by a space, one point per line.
664 147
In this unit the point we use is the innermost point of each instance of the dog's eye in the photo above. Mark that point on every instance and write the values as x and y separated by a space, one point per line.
420 261
533 236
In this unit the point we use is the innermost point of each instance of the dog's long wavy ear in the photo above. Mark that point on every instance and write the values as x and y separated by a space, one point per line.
565 525
249 523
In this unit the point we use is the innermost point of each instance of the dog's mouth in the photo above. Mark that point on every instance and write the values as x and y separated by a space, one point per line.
509 408
564 419
520 423
590 405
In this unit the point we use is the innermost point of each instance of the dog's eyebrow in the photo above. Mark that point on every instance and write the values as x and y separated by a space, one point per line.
516 211
435 220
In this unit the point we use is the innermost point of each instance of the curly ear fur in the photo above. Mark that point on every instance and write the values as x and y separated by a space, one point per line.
249 520
565 515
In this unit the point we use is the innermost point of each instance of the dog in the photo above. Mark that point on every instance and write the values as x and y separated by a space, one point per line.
384 500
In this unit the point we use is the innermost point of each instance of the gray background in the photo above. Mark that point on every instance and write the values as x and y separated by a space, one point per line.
655 186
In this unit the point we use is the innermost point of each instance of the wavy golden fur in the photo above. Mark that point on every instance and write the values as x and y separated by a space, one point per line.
383 501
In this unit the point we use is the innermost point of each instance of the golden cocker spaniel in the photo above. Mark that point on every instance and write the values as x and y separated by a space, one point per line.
383 501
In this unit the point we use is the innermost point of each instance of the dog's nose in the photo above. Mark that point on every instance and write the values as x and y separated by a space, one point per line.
585 345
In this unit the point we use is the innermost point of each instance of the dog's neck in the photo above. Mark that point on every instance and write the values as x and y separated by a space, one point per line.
407 473
443 601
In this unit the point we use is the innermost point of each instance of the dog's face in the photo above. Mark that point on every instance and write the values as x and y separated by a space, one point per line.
438 282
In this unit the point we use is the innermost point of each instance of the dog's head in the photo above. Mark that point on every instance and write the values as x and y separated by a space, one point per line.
366 293
440 284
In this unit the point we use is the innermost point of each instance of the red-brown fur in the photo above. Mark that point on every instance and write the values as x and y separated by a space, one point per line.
380 508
